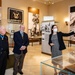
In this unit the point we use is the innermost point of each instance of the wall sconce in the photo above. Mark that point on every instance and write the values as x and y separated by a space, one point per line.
66 21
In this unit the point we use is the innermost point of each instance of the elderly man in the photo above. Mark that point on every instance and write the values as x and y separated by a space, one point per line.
21 42
4 50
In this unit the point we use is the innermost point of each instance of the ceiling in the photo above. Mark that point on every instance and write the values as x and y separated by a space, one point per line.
48 2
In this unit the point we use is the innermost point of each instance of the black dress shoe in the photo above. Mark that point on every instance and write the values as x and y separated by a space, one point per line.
21 72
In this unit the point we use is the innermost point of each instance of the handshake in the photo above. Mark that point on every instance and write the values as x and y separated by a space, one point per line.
23 48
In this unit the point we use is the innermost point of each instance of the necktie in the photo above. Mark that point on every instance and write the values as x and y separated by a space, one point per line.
22 38
22 34
2 37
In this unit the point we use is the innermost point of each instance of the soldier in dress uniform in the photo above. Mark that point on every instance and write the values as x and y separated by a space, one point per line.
4 50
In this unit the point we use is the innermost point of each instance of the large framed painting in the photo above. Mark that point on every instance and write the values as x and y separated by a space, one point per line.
33 21
15 15
72 21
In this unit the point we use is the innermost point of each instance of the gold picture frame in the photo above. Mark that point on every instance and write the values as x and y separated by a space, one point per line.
15 15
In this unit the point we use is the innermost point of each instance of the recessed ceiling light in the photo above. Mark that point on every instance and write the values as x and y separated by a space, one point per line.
44 2
52 2
49 2
34 0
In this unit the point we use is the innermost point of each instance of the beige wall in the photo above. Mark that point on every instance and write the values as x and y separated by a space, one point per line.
23 5
60 10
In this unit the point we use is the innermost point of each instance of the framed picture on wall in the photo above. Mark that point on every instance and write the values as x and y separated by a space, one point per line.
15 15
33 21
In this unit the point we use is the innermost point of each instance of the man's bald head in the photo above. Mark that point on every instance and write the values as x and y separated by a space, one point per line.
2 30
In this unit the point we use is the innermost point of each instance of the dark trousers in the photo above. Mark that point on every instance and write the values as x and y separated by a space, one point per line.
18 63
3 62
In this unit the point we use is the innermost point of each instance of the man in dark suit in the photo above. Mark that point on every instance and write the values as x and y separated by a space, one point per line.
4 50
21 42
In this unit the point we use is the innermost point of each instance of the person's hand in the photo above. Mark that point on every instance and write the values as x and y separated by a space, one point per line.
23 48
51 44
